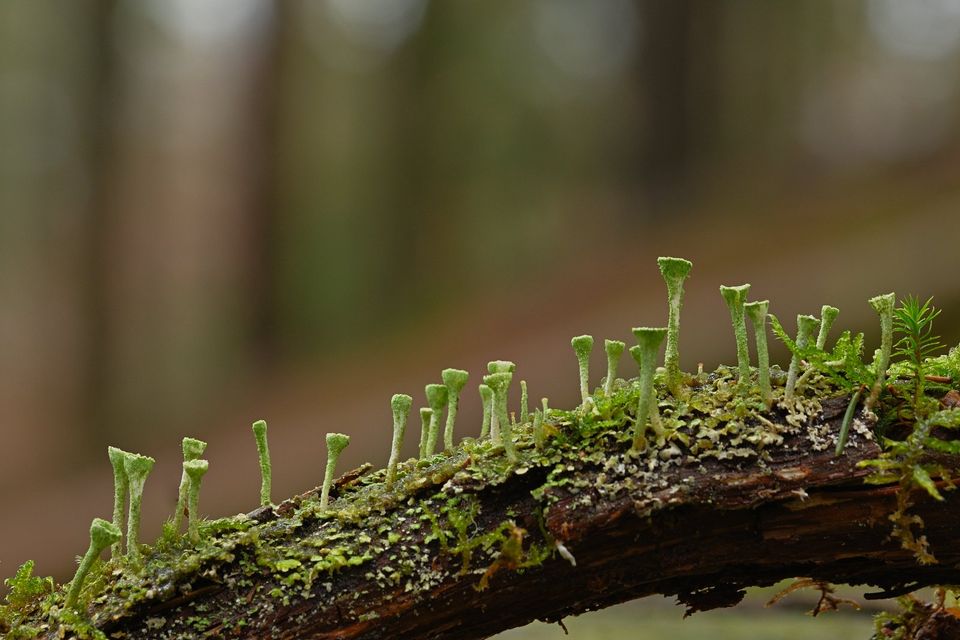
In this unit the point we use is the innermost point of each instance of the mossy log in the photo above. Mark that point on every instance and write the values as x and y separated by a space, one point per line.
470 545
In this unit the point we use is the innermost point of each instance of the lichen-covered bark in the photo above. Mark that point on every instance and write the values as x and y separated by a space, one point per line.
469 544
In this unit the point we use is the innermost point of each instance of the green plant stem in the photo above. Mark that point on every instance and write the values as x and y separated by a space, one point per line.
500 384
582 346
437 399
486 400
845 425
426 417
192 450
827 316
649 340
454 380
806 326
883 305
137 468
524 409
117 457
614 349
195 469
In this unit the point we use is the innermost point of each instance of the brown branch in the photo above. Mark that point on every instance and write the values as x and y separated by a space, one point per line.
701 529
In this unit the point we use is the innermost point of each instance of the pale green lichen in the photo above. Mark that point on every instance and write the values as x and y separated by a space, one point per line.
500 384
582 346
263 453
501 366
524 408
828 315
192 450
195 470
102 535
117 458
614 349
437 397
649 340
426 417
486 401
883 305
455 380
336 443
137 468
736 298
400 406
674 272
757 312
806 328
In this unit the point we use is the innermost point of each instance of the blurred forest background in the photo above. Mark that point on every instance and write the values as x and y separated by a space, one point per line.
213 211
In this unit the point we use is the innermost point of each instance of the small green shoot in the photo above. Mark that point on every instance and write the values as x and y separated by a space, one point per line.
674 272
400 406
614 349
455 380
263 454
102 535
736 298
336 443
582 346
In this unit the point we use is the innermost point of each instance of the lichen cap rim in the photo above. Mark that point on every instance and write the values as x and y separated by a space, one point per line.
649 336
103 533
337 442
807 323
196 468
498 381
135 464
735 295
501 366
757 310
582 344
437 396
193 448
401 402
883 303
674 268
455 379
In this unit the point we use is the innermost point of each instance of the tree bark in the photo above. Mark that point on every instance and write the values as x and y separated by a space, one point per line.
701 530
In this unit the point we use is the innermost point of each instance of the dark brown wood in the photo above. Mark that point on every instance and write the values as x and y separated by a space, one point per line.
701 531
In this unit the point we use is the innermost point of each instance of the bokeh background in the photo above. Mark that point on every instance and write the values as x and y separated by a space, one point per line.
213 211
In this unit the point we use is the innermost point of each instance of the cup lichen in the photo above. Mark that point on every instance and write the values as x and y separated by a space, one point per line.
192 450
757 312
674 272
400 405
883 305
137 468
102 535
524 400
582 346
649 340
117 457
454 380
437 397
263 454
336 443
486 401
806 328
500 384
195 470
426 417
827 316
736 298
614 349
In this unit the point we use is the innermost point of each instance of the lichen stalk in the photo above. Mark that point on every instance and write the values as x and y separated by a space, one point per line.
806 328
500 384
524 408
437 400
195 470
137 468
117 457
400 405
455 380
263 453
883 305
538 439
102 535
649 340
582 346
336 443
828 315
736 298
192 450
614 349
757 312
426 417
486 400
674 272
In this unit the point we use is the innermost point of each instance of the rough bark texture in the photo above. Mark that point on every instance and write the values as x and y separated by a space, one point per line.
703 530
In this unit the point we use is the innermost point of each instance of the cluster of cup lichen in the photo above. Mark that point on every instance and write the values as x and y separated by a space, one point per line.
663 414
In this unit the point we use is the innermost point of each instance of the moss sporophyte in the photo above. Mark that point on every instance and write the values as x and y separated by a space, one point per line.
702 416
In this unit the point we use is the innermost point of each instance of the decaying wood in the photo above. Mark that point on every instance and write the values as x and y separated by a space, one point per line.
703 534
